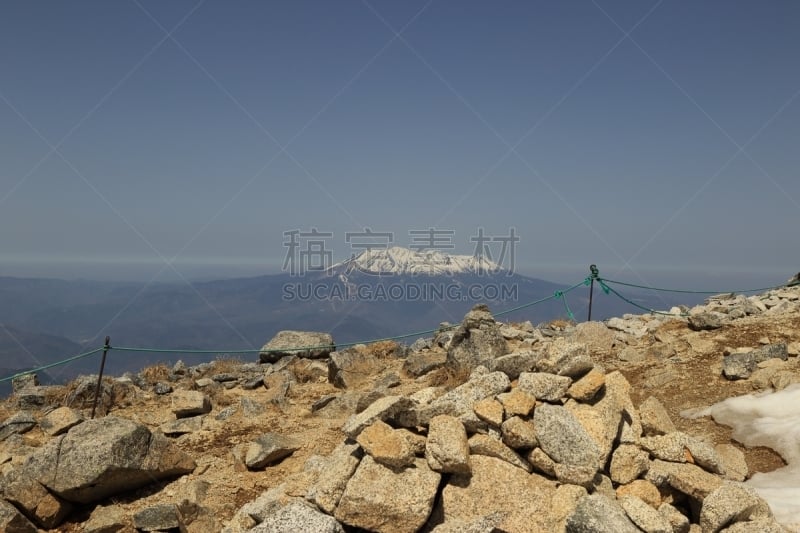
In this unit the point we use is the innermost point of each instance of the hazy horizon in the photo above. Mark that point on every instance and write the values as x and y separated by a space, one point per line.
185 140
730 277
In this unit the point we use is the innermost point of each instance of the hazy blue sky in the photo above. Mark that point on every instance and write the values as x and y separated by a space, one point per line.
656 139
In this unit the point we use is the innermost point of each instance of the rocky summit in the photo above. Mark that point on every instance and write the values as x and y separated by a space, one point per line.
484 427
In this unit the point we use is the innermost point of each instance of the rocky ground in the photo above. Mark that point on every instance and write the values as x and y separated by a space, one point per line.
485 427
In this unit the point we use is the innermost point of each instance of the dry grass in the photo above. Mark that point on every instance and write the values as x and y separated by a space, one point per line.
383 349
449 376
55 395
5 410
560 324
226 365
154 374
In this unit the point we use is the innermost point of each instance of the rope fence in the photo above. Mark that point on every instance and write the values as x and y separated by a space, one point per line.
557 295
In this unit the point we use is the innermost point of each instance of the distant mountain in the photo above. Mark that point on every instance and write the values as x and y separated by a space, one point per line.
378 294
402 261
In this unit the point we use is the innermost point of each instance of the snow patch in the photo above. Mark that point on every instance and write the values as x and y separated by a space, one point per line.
399 260
770 419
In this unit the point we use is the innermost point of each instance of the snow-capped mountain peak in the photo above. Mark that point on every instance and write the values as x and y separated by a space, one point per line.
399 260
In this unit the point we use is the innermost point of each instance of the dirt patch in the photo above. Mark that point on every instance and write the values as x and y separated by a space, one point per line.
693 379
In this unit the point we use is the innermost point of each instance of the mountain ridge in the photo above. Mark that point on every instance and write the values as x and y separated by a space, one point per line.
404 261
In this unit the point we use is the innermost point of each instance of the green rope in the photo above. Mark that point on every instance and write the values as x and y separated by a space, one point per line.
276 350
293 349
607 290
563 297
555 296
51 365
179 350
695 292
551 297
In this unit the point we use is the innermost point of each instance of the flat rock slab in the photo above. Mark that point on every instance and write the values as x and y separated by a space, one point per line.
269 448
181 426
544 386
102 457
517 402
12 521
306 344
420 363
461 400
447 449
587 387
496 486
566 358
31 397
514 364
644 516
333 478
731 503
599 514
378 498
706 321
382 409
655 419
157 518
692 480
298 516
108 519
563 437
35 501
60 420
16 424
492 447
190 403
386 445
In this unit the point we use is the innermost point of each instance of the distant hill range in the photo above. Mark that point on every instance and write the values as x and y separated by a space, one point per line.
380 293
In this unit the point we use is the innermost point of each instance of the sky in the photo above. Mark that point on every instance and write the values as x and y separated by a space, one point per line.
182 140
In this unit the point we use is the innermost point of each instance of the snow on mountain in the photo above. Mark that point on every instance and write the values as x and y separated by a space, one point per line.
399 260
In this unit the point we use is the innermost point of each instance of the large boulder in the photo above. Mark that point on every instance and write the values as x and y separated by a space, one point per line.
333 478
298 516
187 403
599 514
565 358
386 445
102 457
477 341
306 344
447 448
495 486
460 401
563 438
269 448
378 498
